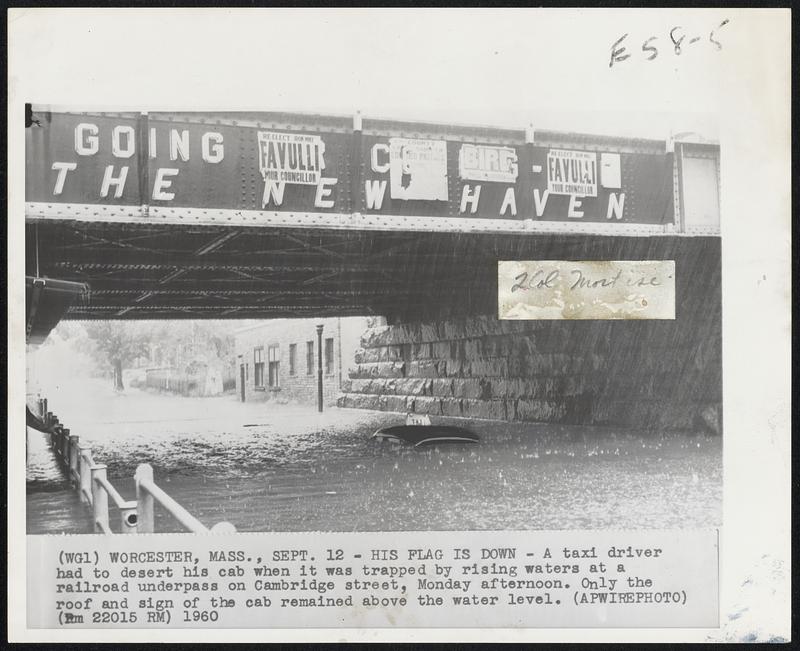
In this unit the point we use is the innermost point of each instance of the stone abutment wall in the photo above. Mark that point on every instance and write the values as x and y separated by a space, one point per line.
647 375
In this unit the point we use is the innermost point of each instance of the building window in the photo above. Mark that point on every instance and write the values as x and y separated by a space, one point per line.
310 358
274 366
258 367
292 359
329 356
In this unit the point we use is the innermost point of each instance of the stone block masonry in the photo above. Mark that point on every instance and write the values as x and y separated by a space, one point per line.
645 375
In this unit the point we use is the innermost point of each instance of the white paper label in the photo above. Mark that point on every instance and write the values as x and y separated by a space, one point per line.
603 289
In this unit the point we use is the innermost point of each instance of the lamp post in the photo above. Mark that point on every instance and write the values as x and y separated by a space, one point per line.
319 367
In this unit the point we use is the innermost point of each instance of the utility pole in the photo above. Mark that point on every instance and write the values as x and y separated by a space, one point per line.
319 367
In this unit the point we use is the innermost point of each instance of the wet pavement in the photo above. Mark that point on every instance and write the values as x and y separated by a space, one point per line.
267 467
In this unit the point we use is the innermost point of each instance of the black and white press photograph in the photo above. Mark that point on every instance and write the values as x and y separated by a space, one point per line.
402 324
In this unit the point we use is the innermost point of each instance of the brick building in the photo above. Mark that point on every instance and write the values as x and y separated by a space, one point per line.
277 359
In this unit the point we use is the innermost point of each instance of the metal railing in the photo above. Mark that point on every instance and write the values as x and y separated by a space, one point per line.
91 481
148 493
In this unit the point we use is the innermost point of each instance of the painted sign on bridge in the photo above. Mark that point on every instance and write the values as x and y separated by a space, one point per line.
323 172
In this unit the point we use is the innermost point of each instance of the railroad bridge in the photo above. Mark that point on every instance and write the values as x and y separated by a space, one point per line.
274 215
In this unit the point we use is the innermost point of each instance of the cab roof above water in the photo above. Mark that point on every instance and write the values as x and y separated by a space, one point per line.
417 435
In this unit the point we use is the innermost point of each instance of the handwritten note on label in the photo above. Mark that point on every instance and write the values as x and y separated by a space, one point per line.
602 289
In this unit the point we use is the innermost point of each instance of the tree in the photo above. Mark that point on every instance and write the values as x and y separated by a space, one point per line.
117 343
174 343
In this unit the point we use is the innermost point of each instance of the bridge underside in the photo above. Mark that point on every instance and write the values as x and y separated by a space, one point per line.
445 352
159 271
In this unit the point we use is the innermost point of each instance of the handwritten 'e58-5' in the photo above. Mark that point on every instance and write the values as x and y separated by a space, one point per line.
677 38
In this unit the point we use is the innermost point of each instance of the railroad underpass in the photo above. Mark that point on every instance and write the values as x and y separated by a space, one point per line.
444 351
135 216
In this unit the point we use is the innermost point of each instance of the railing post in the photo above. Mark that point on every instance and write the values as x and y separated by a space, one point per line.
144 500
56 426
74 441
85 476
99 498
129 518
65 446
55 441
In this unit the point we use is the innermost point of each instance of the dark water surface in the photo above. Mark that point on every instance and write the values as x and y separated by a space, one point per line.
266 467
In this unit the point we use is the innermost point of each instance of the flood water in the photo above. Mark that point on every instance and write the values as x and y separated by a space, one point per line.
266 467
